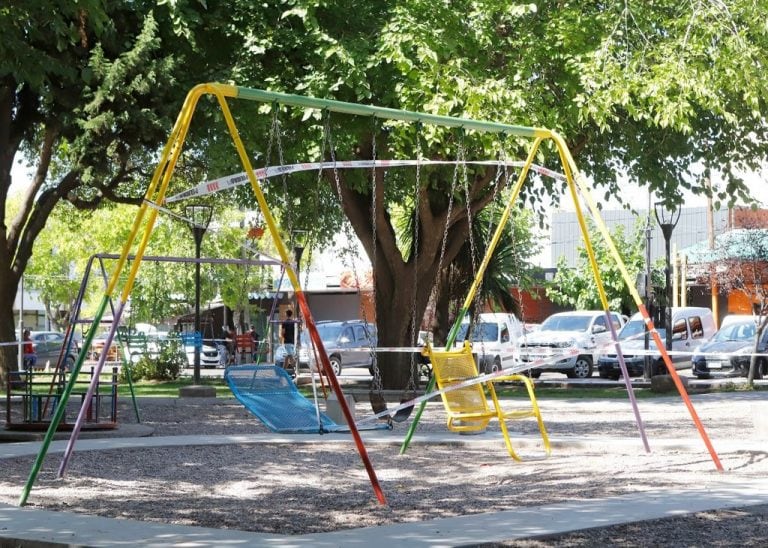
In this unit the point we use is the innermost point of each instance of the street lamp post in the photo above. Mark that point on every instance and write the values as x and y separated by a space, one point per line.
667 219
198 216
647 285
298 250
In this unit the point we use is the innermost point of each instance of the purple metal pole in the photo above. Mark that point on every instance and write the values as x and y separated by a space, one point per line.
91 389
627 381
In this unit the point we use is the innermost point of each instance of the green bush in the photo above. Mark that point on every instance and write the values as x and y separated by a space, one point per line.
165 366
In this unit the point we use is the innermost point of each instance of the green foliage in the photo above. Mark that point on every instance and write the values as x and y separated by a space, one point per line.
577 288
170 389
165 366
656 92
62 250
89 91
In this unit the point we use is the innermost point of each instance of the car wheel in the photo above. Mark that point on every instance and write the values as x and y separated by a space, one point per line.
69 363
533 373
336 365
659 368
582 369
495 366
761 368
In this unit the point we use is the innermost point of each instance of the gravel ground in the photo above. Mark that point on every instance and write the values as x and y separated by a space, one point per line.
322 486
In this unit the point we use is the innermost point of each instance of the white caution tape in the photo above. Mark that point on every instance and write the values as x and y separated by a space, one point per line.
496 375
238 179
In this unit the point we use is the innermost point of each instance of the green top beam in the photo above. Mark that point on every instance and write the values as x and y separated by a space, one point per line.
388 113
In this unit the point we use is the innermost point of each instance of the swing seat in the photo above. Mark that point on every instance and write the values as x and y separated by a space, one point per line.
468 407
269 393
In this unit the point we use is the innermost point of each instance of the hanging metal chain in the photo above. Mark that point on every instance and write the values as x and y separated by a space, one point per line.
351 253
377 383
328 139
274 137
308 246
436 288
349 250
462 158
414 370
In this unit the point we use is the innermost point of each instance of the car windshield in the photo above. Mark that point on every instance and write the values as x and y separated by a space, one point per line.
567 322
635 330
329 332
482 332
632 330
736 332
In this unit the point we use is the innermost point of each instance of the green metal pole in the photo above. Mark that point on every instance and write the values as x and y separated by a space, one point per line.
385 113
431 384
478 277
60 408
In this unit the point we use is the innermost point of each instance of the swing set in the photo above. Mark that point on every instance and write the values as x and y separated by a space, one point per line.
454 369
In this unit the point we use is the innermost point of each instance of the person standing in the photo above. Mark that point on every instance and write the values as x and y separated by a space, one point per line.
289 328
232 345
30 357
255 340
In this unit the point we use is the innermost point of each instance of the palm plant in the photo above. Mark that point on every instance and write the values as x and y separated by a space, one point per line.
509 266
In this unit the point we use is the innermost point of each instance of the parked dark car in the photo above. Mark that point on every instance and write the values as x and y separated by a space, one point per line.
48 346
729 351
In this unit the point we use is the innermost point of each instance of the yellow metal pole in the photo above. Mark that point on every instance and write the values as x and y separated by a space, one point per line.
592 205
164 166
306 312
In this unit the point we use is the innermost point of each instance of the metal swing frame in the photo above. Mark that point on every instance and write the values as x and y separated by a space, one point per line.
156 193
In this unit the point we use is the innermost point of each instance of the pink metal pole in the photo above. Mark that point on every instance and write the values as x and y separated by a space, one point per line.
89 393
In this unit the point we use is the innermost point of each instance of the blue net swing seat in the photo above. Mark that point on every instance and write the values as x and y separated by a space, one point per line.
270 394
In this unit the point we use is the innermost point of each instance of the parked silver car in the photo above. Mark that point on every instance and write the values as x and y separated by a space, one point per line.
346 343
691 326
577 335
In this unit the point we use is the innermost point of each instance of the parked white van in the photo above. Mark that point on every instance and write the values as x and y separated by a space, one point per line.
691 326
494 340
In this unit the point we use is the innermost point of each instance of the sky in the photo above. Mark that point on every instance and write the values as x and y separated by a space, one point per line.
638 197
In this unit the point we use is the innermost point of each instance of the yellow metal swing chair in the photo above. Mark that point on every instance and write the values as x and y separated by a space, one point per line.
466 399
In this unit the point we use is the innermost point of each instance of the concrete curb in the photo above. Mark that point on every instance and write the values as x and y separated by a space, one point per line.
42 528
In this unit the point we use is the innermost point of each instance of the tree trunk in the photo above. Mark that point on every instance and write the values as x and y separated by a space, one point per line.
8 354
403 287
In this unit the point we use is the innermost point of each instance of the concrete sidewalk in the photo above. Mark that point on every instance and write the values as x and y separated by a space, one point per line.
32 527
37 528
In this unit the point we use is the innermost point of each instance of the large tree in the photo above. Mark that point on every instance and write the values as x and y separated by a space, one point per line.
88 90
650 92
654 93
